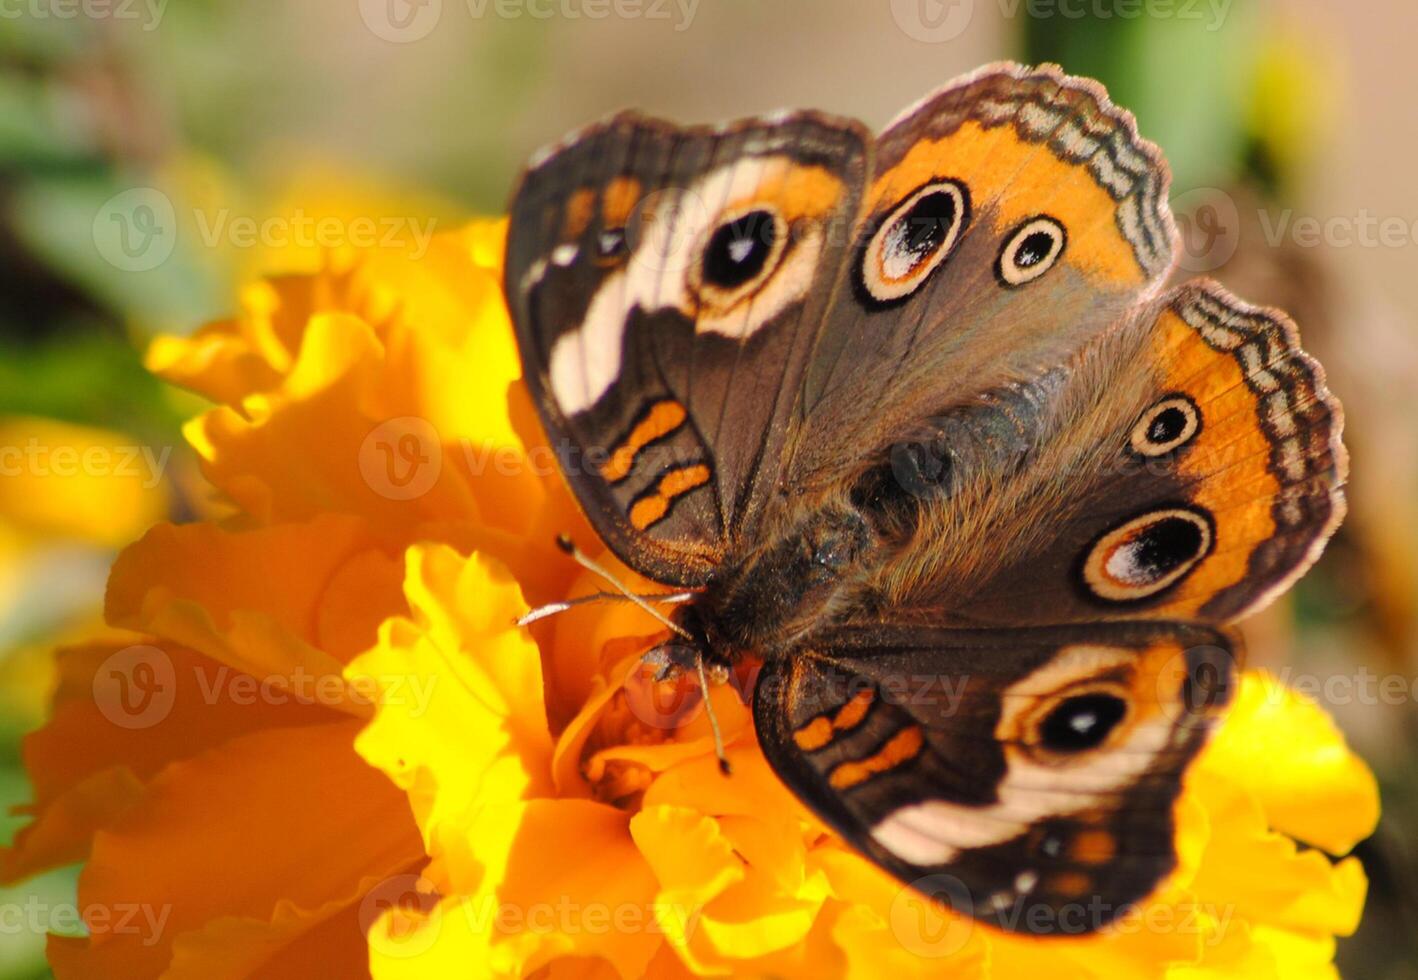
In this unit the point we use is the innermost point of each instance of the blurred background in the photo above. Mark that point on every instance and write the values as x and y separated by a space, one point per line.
155 155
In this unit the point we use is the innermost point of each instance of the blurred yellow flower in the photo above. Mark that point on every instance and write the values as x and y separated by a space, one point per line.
69 494
333 753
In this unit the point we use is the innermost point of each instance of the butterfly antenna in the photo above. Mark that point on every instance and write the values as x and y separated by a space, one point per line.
567 545
552 608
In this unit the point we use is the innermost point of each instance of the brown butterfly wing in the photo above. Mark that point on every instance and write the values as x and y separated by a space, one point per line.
1026 776
1013 216
1187 465
665 285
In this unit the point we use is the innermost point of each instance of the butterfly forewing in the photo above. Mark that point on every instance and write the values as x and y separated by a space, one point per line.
1012 217
665 285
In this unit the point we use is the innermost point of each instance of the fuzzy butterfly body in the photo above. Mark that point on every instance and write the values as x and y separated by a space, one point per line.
915 420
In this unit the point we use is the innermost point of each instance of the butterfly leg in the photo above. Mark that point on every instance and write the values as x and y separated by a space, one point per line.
674 659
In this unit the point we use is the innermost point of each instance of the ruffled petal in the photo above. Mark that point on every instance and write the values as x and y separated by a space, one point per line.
1297 766
293 944
731 890
239 598
282 813
561 880
461 723
91 762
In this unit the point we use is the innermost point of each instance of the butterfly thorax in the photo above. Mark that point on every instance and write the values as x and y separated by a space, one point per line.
769 599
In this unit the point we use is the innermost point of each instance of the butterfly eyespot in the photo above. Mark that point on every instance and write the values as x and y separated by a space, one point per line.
740 253
1167 426
1147 554
1081 723
914 239
1031 250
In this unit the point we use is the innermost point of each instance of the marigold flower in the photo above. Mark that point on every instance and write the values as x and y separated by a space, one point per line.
329 750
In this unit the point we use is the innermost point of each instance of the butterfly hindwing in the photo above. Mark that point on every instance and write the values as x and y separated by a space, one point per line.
1036 769
1187 465
665 284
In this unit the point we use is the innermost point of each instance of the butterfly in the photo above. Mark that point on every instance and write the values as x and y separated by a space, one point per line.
915 420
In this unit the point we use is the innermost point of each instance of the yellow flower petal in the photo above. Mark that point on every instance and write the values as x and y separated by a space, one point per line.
75 482
460 724
562 879
1297 765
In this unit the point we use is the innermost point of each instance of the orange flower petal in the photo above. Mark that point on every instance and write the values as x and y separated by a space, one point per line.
294 943
290 813
90 762
239 598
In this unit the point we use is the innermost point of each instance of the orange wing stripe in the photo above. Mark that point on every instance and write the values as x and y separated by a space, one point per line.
662 419
854 710
814 735
821 730
904 746
649 509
